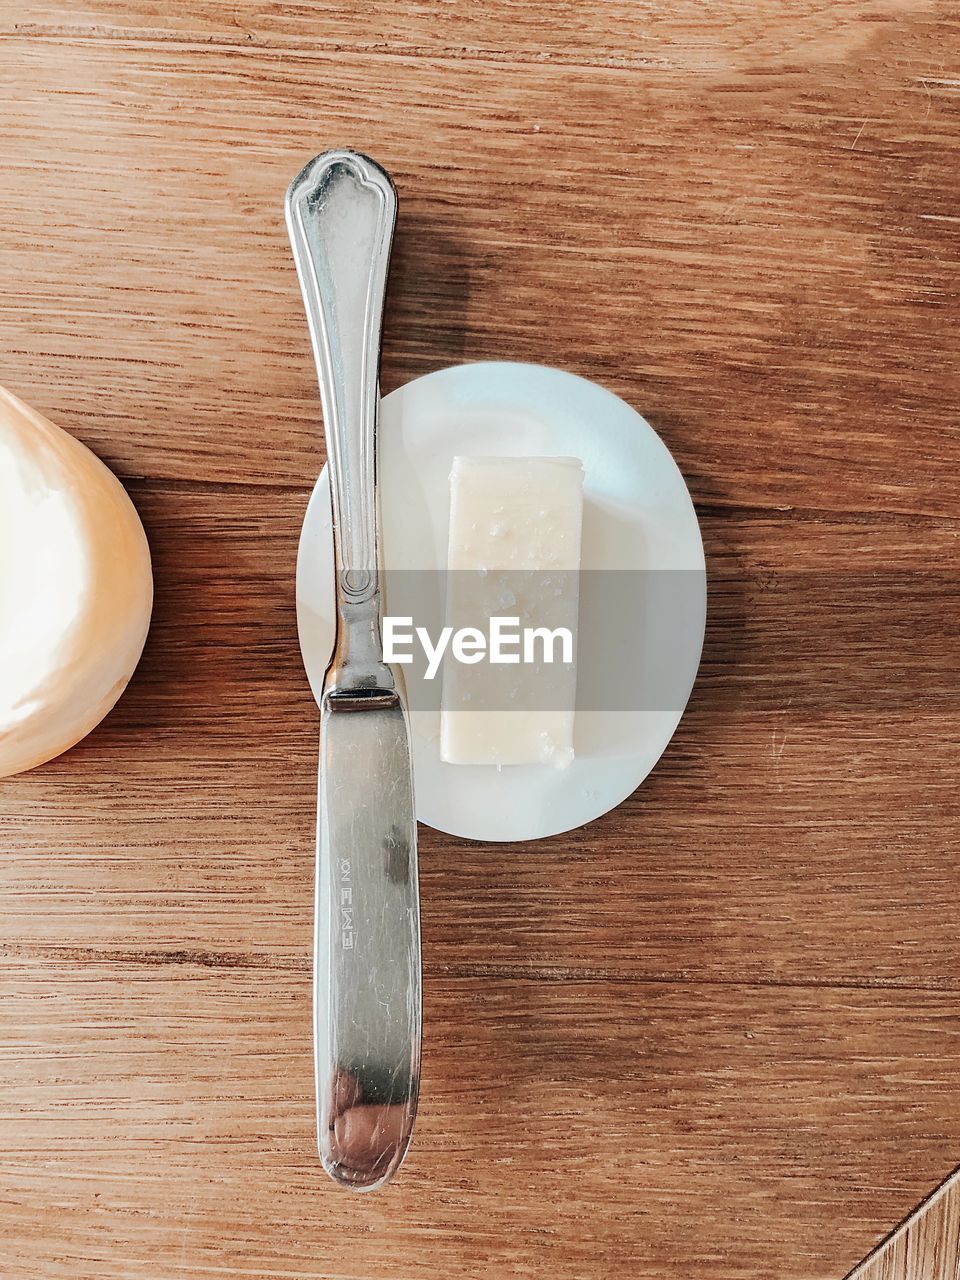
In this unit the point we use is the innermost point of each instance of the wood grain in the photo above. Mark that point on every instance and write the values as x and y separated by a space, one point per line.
926 1246
713 1034
777 253
826 893
699 36
157 1121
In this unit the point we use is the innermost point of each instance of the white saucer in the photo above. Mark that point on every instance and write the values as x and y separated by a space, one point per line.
637 516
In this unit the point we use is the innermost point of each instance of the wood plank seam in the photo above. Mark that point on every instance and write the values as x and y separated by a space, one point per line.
925 1246
480 56
205 958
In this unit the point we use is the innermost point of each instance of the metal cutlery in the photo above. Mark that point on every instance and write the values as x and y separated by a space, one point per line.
341 212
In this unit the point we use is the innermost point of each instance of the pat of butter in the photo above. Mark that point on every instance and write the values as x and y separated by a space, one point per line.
76 588
514 553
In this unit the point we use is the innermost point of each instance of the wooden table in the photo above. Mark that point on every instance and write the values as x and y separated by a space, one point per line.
713 1035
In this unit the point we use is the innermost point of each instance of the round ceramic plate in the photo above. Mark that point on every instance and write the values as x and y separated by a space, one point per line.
638 521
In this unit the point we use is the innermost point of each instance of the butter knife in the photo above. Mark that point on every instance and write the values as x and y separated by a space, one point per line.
341 212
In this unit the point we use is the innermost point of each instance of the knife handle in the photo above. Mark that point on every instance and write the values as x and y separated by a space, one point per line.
341 214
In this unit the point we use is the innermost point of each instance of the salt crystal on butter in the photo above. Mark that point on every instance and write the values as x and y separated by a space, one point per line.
513 553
